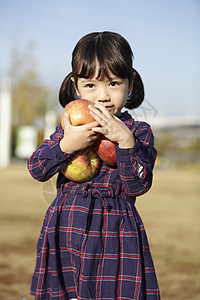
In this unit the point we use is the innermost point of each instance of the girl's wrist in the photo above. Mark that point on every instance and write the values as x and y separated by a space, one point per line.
64 148
127 142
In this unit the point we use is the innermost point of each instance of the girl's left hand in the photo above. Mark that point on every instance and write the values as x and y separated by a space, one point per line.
111 126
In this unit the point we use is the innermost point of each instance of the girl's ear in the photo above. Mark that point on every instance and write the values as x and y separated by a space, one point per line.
77 92
132 82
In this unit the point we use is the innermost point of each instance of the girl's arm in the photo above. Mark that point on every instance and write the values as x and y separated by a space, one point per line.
48 159
55 153
135 149
136 164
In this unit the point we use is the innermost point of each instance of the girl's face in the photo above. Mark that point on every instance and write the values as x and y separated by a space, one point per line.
112 93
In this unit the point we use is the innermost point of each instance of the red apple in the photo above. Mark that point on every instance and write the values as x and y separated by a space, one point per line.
85 163
79 112
83 166
106 150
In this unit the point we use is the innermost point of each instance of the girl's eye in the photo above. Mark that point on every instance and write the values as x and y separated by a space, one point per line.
90 85
113 83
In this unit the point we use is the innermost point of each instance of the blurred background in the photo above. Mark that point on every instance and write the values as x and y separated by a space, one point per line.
37 39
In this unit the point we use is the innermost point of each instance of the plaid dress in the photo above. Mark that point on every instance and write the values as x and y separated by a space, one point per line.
93 243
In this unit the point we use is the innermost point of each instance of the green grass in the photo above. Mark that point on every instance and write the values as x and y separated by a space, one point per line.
170 211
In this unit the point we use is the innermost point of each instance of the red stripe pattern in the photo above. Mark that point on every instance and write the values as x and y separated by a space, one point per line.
93 243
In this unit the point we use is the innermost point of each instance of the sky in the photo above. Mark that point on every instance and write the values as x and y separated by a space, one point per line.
164 37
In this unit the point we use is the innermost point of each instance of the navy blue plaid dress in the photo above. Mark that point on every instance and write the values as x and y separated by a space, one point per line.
93 243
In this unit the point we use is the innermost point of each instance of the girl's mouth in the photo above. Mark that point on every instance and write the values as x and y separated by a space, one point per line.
109 107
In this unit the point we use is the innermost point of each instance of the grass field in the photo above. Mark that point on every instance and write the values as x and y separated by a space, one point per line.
170 211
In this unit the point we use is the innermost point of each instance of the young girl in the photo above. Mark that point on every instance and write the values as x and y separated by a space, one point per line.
93 243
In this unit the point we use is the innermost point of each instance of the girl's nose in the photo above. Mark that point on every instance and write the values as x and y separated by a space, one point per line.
103 95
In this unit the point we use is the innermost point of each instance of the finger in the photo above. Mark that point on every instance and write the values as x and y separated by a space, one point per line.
95 136
100 130
104 110
91 125
102 120
66 121
99 111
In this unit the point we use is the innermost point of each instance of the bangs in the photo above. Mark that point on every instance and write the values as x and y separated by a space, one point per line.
105 54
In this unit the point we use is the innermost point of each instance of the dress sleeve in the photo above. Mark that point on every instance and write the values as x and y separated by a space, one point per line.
48 159
135 165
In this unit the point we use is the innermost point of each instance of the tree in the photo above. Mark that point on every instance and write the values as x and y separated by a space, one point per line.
28 93
29 99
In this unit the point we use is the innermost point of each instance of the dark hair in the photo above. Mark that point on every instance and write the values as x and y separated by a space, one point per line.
114 54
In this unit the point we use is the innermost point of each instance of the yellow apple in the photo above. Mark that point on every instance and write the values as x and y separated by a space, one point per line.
83 166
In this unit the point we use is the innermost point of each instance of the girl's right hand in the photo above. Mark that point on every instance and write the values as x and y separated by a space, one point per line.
77 137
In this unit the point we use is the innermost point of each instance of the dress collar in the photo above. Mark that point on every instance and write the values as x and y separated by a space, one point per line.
125 116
